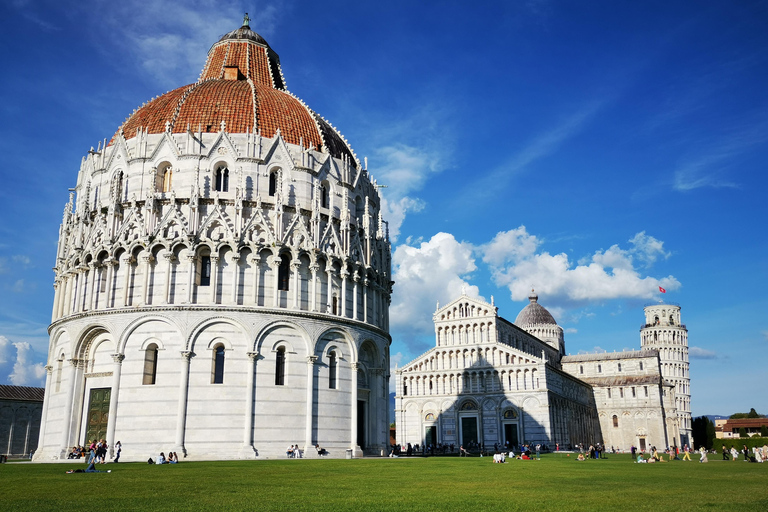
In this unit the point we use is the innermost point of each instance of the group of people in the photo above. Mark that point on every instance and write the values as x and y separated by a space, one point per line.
96 452
162 459
293 452
758 454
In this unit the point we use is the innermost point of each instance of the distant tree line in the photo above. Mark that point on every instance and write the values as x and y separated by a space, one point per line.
751 414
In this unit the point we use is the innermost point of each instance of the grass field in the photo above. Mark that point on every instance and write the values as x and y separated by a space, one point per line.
438 483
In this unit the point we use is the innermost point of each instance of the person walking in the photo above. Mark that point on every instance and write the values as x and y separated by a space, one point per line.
725 453
118 448
687 455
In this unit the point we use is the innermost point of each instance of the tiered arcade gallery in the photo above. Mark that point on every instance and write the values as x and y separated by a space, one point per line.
222 279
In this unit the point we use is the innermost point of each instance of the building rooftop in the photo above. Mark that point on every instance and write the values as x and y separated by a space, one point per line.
606 356
23 393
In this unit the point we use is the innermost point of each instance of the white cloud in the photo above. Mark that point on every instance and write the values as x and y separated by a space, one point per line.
700 353
608 274
433 271
404 170
168 39
25 372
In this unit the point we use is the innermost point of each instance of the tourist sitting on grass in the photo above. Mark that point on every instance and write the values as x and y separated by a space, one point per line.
640 459
161 459
322 452
580 457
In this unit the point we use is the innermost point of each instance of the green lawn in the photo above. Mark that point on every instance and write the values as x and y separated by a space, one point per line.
437 483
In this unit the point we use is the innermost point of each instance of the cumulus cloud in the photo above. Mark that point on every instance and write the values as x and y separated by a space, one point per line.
517 263
700 353
435 270
25 372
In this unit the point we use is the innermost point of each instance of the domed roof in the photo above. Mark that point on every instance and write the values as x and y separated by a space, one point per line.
242 86
534 313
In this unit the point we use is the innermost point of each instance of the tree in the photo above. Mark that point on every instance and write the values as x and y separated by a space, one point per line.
753 413
763 431
743 432
703 431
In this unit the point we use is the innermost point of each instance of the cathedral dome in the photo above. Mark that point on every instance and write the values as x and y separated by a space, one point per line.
241 89
534 313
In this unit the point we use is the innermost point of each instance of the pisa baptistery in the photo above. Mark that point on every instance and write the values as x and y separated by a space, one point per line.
222 280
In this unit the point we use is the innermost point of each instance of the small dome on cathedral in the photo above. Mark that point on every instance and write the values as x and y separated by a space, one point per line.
534 313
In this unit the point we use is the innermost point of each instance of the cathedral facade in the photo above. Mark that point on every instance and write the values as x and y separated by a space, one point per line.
488 381
222 279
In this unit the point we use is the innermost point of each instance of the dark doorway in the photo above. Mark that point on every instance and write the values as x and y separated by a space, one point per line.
510 434
98 414
469 431
361 424
642 444
431 436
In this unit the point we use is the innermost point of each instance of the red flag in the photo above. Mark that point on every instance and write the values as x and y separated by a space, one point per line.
662 290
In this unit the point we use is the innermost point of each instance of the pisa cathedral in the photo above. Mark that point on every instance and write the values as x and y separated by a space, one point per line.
222 280
490 381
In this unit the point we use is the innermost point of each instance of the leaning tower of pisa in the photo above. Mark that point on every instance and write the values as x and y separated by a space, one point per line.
664 331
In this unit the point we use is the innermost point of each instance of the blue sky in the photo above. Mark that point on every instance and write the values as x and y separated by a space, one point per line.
595 150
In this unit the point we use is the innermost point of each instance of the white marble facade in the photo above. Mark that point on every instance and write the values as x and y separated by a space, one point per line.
490 381
221 293
487 381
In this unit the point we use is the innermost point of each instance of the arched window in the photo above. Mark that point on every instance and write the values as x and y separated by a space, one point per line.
615 421
332 370
641 365
150 364
334 305
609 392
405 389
221 181
284 273
280 367
581 369
217 375
272 183
599 369
163 178
324 195
619 366
671 320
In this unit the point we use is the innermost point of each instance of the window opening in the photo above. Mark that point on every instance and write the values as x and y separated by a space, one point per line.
218 365
222 180
615 421
150 365
284 273
272 183
205 271
332 370
280 367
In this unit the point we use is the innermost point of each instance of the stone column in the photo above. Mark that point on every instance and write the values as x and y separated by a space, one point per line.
344 275
365 299
235 277
255 260
44 413
113 397
248 451
274 264
295 265
313 302
329 288
191 259
214 278
129 261
56 300
168 257
65 431
111 264
93 290
356 279
146 260
78 293
353 430
311 360
181 414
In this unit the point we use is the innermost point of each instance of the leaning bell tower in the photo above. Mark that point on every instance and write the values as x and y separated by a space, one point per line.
664 331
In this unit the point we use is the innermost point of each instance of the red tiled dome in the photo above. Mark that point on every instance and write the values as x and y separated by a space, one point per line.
242 85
